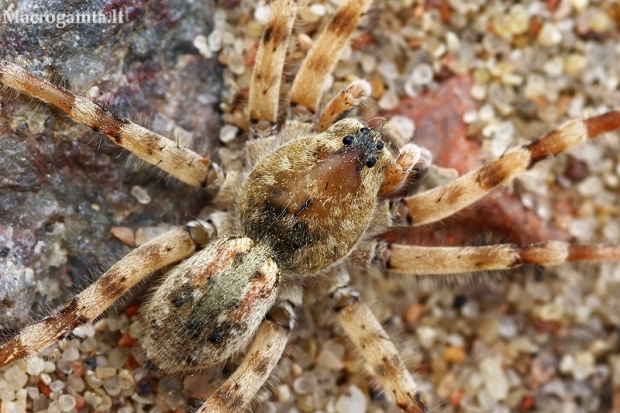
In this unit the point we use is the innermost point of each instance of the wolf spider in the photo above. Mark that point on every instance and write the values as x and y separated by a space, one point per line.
307 208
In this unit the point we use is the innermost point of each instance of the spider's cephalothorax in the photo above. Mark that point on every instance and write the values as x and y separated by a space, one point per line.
313 200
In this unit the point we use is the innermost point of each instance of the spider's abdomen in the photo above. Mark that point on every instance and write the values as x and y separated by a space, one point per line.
209 306
311 200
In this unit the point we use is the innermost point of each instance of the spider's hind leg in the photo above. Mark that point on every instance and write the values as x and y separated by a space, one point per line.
375 346
322 57
262 356
267 73
159 252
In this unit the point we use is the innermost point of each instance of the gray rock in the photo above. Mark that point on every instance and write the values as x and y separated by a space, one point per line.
62 186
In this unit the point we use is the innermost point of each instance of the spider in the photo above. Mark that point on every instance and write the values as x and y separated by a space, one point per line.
314 196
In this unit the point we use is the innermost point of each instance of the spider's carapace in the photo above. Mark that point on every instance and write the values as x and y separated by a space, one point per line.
311 200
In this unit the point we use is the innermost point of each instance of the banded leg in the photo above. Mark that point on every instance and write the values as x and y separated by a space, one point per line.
263 355
443 201
322 57
267 73
166 249
155 149
418 260
378 351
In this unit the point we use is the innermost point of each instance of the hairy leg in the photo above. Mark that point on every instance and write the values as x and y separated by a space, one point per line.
166 249
374 345
419 260
322 57
263 355
181 163
443 201
267 73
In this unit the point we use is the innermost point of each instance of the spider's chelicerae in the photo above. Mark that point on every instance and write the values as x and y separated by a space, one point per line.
315 193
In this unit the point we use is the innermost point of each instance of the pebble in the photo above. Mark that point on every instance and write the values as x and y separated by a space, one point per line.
105 372
507 327
13 407
124 235
66 402
283 393
92 380
549 35
112 386
141 195
454 354
305 384
494 377
228 133
352 402
75 382
71 354
56 385
389 100
329 360
15 376
125 379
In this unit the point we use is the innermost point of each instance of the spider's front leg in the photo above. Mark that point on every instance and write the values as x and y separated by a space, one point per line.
181 163
443 201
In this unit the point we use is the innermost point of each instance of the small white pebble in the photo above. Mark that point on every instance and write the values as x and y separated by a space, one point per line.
261 14
352 402
66 402
105 372
329 360
389 100
494 377
141 195
422 74
71 354
54 407
214 40
228 133
283 393
200 42
549 35
57 385
318 9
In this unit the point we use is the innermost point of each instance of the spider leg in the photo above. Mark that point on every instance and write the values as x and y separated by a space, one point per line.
375 346
420 260
322 57
263 355
346 99
166 249
373 343
443 201
155 149
267 73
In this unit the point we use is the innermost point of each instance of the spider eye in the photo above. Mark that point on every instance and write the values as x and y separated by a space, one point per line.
371 162
348 140
379 145
365 132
